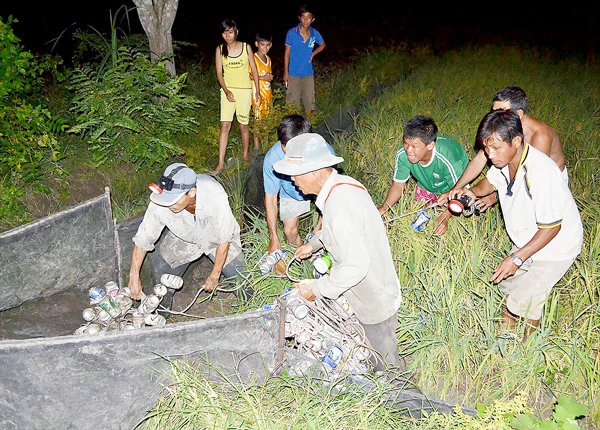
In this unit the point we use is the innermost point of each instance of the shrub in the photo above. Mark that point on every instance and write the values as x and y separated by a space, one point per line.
133 111
29 149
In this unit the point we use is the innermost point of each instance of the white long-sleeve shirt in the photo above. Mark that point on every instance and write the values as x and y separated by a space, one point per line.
362 266
191 236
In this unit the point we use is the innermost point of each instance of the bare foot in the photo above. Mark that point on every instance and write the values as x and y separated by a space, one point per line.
218 169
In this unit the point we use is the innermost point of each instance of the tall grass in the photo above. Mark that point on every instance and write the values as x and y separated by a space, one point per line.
450 311
448 329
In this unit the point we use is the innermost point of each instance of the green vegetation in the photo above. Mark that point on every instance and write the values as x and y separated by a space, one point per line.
133 111
450 312
29 149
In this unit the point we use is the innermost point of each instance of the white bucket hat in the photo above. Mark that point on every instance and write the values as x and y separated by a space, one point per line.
306 153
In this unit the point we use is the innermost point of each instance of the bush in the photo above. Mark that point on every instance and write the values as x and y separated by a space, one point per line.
133 111
29 149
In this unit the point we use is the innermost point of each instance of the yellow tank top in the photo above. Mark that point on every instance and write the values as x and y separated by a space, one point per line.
235 69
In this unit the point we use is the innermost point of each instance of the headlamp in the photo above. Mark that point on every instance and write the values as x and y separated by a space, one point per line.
165 183
463 205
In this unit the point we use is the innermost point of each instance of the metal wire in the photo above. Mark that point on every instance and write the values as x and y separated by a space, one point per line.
430 206
329 323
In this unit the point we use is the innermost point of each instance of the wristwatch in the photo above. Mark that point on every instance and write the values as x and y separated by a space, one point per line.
518 262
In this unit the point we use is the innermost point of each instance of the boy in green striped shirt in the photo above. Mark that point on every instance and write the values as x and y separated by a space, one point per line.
436 162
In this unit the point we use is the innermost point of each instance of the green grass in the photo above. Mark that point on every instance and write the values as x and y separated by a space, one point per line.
450 310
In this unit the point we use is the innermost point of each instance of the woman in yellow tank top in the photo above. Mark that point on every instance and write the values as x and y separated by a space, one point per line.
232 60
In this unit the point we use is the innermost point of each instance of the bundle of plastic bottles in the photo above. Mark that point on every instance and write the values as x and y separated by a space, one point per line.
325 330
111 308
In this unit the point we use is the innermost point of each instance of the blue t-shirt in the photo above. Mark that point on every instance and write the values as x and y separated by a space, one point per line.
276 183
300 52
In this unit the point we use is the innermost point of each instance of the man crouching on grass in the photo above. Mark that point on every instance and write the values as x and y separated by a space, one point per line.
540 217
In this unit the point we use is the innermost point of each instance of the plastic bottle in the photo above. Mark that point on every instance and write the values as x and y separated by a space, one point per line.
109 305
111 288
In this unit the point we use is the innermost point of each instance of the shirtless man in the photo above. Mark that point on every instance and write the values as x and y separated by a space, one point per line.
537 133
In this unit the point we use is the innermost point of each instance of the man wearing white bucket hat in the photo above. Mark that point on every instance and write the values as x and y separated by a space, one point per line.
355 236
195 210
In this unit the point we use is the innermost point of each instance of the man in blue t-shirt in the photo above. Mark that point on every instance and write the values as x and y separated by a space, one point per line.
292 203
300 50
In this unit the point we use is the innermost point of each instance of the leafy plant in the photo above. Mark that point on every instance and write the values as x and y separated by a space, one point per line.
565 414
29 150
133 111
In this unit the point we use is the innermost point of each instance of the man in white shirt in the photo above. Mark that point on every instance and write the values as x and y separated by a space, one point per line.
540 215
195 210
354 234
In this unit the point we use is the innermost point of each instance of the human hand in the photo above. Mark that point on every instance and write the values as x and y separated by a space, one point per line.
135 286
486 202
274 244
305 288
462 192
211 282
441 224
506 268
444 197
230 96
268 77
303 251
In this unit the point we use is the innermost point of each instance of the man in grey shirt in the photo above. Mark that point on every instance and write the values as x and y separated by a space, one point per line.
195 210
354 234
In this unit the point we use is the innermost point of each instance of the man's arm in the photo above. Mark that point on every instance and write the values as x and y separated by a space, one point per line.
394 194
541 238
441 223
286 64
319 224
220 257
271 214
472 171
317 50
135 284
482 188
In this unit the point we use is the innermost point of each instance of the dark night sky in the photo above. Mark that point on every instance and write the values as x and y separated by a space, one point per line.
570 29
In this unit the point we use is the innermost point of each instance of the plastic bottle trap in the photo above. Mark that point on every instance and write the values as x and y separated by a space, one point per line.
111 308
323 330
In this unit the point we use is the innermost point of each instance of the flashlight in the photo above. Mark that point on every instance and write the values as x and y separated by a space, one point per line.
458 204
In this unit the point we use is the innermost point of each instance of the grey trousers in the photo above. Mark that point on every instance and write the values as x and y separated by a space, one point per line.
382 337
231 271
